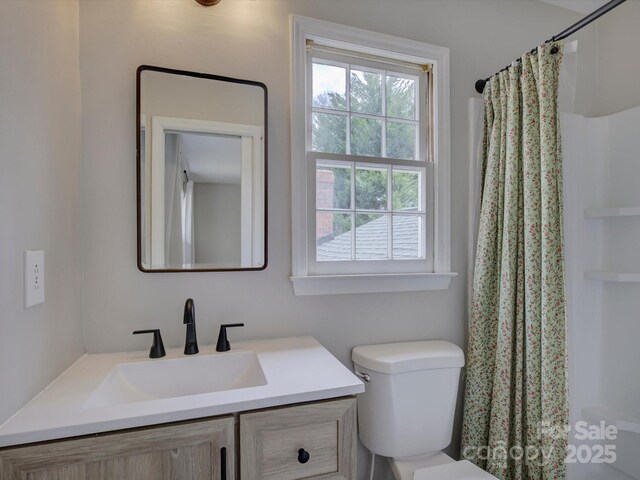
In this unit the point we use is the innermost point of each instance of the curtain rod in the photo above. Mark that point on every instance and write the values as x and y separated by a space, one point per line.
607 7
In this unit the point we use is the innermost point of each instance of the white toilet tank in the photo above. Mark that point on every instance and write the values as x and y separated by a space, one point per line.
409 403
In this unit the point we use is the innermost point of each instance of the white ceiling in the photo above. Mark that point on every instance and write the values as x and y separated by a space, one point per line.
581 6
212 158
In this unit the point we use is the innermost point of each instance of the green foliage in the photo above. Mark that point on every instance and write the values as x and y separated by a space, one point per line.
400 98
364 218
366 92
406 186
401 141
342 187
366 137
342 196
329 131
401 137
371 189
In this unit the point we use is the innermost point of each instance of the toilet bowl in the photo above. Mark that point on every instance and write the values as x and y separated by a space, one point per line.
406 413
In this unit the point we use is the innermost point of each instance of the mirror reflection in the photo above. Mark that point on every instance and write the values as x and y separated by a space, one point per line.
202 172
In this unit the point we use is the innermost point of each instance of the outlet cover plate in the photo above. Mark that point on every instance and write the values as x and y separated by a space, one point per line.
33 278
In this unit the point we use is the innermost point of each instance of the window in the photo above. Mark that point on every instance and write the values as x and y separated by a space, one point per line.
368 147
369 161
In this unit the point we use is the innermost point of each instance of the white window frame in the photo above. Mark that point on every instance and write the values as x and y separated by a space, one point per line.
435 276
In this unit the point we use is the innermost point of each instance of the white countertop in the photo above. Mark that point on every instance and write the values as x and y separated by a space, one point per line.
296 369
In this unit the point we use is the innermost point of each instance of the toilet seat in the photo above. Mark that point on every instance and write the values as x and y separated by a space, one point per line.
462 470
405 468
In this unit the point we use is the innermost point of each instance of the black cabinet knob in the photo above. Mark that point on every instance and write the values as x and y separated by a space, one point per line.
303 456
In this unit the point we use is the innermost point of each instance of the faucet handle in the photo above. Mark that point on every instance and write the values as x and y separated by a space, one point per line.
189 316
157 348
223 344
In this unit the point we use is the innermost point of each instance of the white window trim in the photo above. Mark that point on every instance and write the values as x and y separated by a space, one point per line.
340 36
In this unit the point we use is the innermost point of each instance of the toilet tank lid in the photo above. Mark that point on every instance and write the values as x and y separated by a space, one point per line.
403 357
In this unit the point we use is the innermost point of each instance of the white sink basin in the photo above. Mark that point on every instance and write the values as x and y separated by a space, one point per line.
114 391
177 377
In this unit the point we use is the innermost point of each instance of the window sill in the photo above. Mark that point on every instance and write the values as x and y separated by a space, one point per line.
392 282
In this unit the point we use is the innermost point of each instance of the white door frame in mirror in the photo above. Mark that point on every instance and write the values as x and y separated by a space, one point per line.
251 187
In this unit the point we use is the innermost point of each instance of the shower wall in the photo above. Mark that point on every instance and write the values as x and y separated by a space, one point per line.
601 170
621 252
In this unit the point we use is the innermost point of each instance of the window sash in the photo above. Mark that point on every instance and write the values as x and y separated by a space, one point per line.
422 105
382 71
363 165
389 265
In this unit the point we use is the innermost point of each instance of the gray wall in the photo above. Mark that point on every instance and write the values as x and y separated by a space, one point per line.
217 218
617 69
39 194
608 70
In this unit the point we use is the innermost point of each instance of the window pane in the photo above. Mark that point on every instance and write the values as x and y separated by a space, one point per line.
372 238
329 133
407 235
401 140
366 136
406 190
333 236
333 186
371 188
401 98
366 92
329 86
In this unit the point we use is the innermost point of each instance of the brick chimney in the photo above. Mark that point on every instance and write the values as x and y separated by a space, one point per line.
325 180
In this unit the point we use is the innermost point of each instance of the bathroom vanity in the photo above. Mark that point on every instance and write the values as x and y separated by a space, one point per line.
272 409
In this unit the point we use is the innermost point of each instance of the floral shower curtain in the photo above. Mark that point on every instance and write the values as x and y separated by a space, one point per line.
516 405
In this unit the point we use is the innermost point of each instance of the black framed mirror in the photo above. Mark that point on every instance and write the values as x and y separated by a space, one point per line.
201 171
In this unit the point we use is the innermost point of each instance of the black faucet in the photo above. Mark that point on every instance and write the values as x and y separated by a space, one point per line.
223 344
191 342
157 349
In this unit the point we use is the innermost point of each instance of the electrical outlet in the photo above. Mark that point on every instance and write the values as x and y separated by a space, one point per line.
33 278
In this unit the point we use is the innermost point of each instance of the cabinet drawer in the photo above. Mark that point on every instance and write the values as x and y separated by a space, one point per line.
272 440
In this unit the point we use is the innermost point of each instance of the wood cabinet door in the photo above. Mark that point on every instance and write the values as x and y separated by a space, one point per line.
312 441
202 450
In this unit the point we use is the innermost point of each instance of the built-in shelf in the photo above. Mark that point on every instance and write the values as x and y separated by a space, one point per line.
612 212
612 276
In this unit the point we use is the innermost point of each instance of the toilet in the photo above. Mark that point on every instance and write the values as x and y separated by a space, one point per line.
406 413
